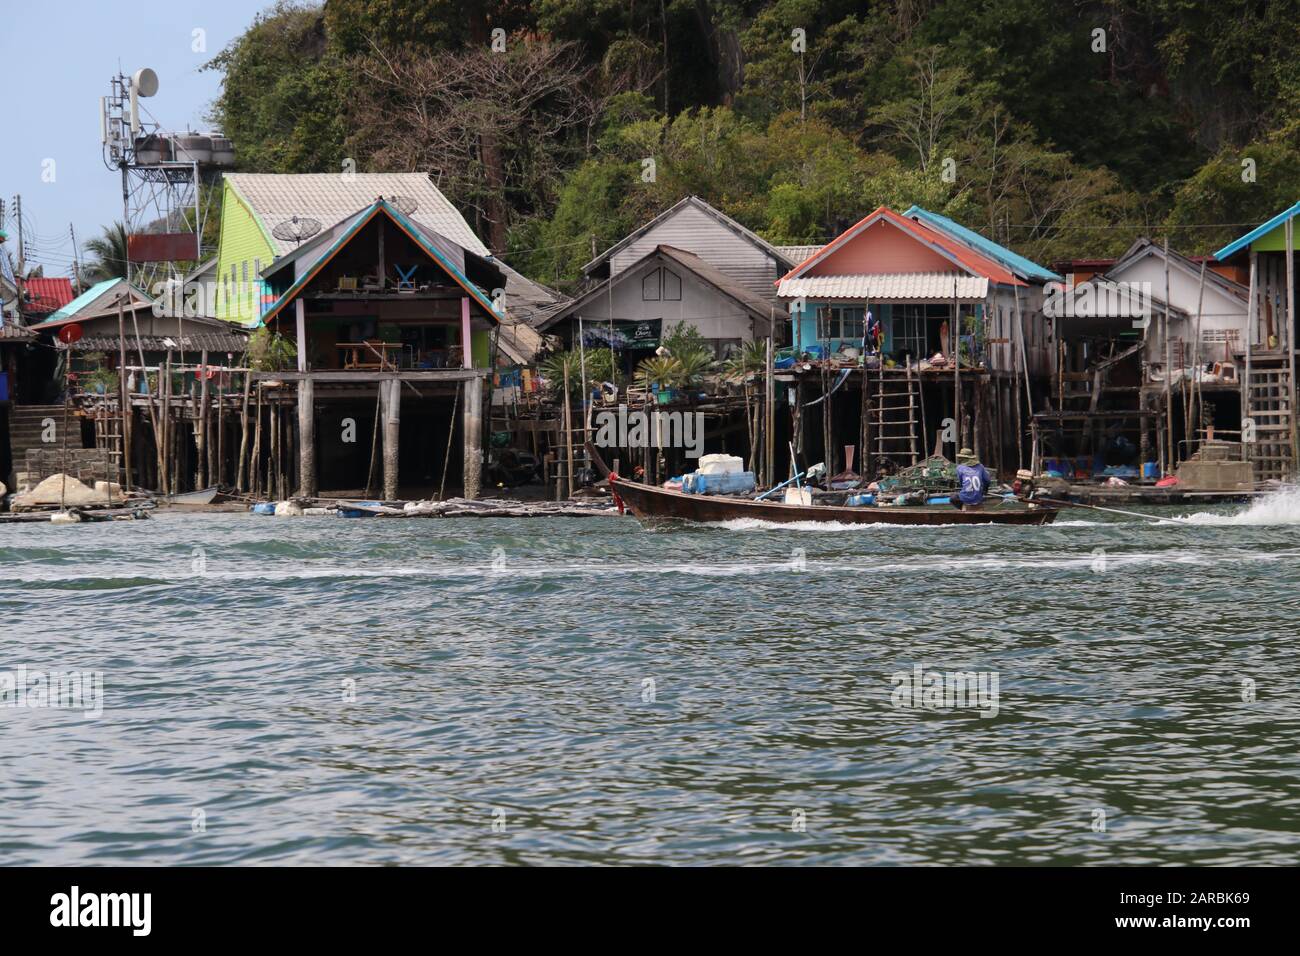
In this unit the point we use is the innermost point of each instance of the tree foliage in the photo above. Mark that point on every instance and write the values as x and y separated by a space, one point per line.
1058 127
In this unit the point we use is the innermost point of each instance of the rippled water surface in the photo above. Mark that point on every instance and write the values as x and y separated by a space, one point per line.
585 691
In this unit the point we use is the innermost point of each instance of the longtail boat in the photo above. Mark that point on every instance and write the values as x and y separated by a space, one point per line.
649 504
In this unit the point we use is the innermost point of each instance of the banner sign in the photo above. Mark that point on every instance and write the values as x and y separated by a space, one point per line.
626 334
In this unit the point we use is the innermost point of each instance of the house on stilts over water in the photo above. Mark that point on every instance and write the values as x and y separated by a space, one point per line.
398 316
910 336
1264 259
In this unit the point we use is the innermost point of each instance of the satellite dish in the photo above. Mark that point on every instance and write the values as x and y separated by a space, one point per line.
70 333
296 229
405 204
144 82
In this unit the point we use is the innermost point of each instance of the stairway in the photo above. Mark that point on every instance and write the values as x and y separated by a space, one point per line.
26 426
1268 404
894 417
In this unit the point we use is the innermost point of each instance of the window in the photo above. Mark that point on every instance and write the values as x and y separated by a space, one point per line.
661 284
672 286
840 322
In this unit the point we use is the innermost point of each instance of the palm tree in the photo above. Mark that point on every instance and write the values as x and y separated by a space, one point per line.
109 252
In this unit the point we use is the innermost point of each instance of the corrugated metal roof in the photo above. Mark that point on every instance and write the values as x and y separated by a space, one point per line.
47 295
435 245
759 308
331 197
1232 248
196 342
1026 268
671 211
974 262
85 304
888 286
798 253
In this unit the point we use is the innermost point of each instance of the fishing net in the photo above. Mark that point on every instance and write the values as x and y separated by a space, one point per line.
936 474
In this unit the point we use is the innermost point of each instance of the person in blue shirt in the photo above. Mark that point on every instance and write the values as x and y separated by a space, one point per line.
973 481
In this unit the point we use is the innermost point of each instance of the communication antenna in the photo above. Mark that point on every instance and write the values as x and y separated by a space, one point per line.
144 82
170 180
297 229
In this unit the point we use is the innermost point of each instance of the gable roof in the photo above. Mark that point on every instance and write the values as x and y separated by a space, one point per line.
798 253
671 211
1127 299
273 198
95 299
1259 232
435 246
47 295
753 305
1143 247
1024 268
962 258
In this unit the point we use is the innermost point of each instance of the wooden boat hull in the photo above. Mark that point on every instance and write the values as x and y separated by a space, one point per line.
648 504
204 496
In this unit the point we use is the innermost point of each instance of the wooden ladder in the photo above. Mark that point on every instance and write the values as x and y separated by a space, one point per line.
895 416
1268 405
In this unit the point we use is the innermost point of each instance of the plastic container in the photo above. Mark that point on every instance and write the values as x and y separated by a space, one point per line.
860 501
1150 470
939 500
733 483
720 465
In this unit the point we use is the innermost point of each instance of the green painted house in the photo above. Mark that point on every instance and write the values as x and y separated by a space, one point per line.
255 204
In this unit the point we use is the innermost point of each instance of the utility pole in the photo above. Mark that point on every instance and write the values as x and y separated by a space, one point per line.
22 262
76 262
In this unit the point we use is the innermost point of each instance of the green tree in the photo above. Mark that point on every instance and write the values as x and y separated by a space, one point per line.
283 93
108 252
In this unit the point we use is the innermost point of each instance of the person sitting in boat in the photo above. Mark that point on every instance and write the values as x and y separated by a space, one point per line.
973 481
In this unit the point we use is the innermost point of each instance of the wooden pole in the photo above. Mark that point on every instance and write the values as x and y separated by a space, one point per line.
769 430
1194 391
1170 449
165 390
124 396
956 367
1252 325
568 431
221 428
201 426
243 434
446 458
255 458
273 449
392 436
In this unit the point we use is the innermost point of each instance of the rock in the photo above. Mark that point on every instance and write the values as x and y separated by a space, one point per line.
289 509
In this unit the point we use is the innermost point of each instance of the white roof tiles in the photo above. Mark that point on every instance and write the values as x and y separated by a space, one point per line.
330 197
797 254
899 286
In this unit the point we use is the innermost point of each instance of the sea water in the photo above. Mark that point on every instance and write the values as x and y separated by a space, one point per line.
316 690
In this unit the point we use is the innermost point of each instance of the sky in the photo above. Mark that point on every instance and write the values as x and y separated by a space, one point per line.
56 60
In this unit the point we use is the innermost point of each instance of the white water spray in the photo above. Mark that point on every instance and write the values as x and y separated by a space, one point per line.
1281 507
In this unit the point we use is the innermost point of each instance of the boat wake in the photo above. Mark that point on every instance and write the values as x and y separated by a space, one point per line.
1282 507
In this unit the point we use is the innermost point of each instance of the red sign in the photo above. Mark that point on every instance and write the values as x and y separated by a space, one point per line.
70 333
162 247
